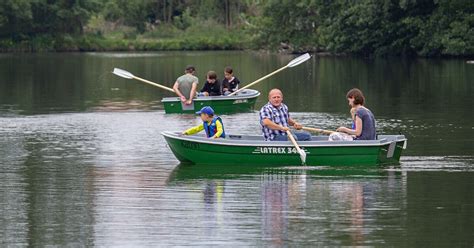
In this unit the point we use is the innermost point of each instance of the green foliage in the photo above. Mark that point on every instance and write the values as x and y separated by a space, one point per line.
15 18
287 21
128 12
184 20
370 27
362 27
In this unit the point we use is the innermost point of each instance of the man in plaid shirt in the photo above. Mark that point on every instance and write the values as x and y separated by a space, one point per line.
275 119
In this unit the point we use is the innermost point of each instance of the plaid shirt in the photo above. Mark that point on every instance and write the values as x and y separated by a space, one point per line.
279 115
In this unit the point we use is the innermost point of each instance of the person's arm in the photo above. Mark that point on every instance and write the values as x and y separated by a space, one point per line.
272 125
206 90
205 87
194 130
217 88
294 124
192 94
220 130
225 85
237 82
176 90
357 132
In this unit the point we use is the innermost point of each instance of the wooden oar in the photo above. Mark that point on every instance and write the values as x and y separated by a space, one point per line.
300 151
317 130
292 63
128 75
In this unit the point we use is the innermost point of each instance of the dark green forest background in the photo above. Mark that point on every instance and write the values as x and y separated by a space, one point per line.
356 27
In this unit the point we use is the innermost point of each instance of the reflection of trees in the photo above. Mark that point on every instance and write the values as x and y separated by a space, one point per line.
13 195
56 197
440 209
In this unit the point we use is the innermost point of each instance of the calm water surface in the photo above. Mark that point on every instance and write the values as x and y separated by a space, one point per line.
82 161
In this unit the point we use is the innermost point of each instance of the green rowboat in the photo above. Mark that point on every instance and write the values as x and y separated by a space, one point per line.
243 101
253 150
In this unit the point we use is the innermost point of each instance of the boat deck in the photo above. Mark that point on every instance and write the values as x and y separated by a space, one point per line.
252 140
244 94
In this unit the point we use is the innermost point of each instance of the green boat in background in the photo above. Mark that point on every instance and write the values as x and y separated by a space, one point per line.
244 101
247 150
241 100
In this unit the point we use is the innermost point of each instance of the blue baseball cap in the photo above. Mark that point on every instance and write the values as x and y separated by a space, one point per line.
206 110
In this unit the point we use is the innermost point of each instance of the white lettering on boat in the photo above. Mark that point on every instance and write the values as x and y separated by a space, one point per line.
240 101
190 145
276 150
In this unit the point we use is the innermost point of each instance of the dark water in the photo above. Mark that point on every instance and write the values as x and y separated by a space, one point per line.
82 161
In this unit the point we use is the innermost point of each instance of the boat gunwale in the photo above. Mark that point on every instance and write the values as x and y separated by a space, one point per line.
250 95
305 144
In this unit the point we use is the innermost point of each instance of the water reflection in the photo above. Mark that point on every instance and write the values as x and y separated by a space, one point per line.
120 106
312 198
47 195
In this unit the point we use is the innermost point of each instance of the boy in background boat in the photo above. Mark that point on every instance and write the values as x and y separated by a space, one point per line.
210 123
212 87
185 86
230 82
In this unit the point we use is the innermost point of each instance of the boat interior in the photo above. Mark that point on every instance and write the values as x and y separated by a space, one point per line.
254 139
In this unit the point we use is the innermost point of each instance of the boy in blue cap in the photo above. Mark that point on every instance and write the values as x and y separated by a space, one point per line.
210 123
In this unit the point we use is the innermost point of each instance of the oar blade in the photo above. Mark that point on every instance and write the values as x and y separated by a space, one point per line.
299 60
303 156
122 73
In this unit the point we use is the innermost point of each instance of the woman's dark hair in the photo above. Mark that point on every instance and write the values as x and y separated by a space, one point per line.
357 95
228 69
212 75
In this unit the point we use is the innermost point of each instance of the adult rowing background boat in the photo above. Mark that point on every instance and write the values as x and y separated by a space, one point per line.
253 150
244 101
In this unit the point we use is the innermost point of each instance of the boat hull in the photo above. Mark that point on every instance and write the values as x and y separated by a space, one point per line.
200 150
241 102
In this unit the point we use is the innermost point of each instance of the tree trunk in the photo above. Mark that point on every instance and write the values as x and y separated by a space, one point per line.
164 11
226 13
170 13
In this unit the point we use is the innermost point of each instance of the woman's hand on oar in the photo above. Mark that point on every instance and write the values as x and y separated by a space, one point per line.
317 130
128 75
300 151
292 63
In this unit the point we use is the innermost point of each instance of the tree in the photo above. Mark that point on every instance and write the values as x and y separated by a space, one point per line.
15 18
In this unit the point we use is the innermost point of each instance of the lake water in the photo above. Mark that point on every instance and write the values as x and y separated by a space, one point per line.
82 161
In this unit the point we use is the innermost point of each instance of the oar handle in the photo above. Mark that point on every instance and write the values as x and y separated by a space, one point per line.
290 136
300 151
154 84
317 130
259 80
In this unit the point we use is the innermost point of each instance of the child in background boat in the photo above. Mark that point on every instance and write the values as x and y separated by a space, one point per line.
230 82
212 87
339 136
211 124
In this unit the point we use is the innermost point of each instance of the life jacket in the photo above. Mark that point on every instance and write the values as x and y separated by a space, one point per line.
211 129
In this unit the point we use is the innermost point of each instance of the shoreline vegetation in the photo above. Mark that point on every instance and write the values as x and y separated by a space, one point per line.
368 28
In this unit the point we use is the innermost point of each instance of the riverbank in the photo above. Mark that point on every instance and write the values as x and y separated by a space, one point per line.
98 43
95 43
